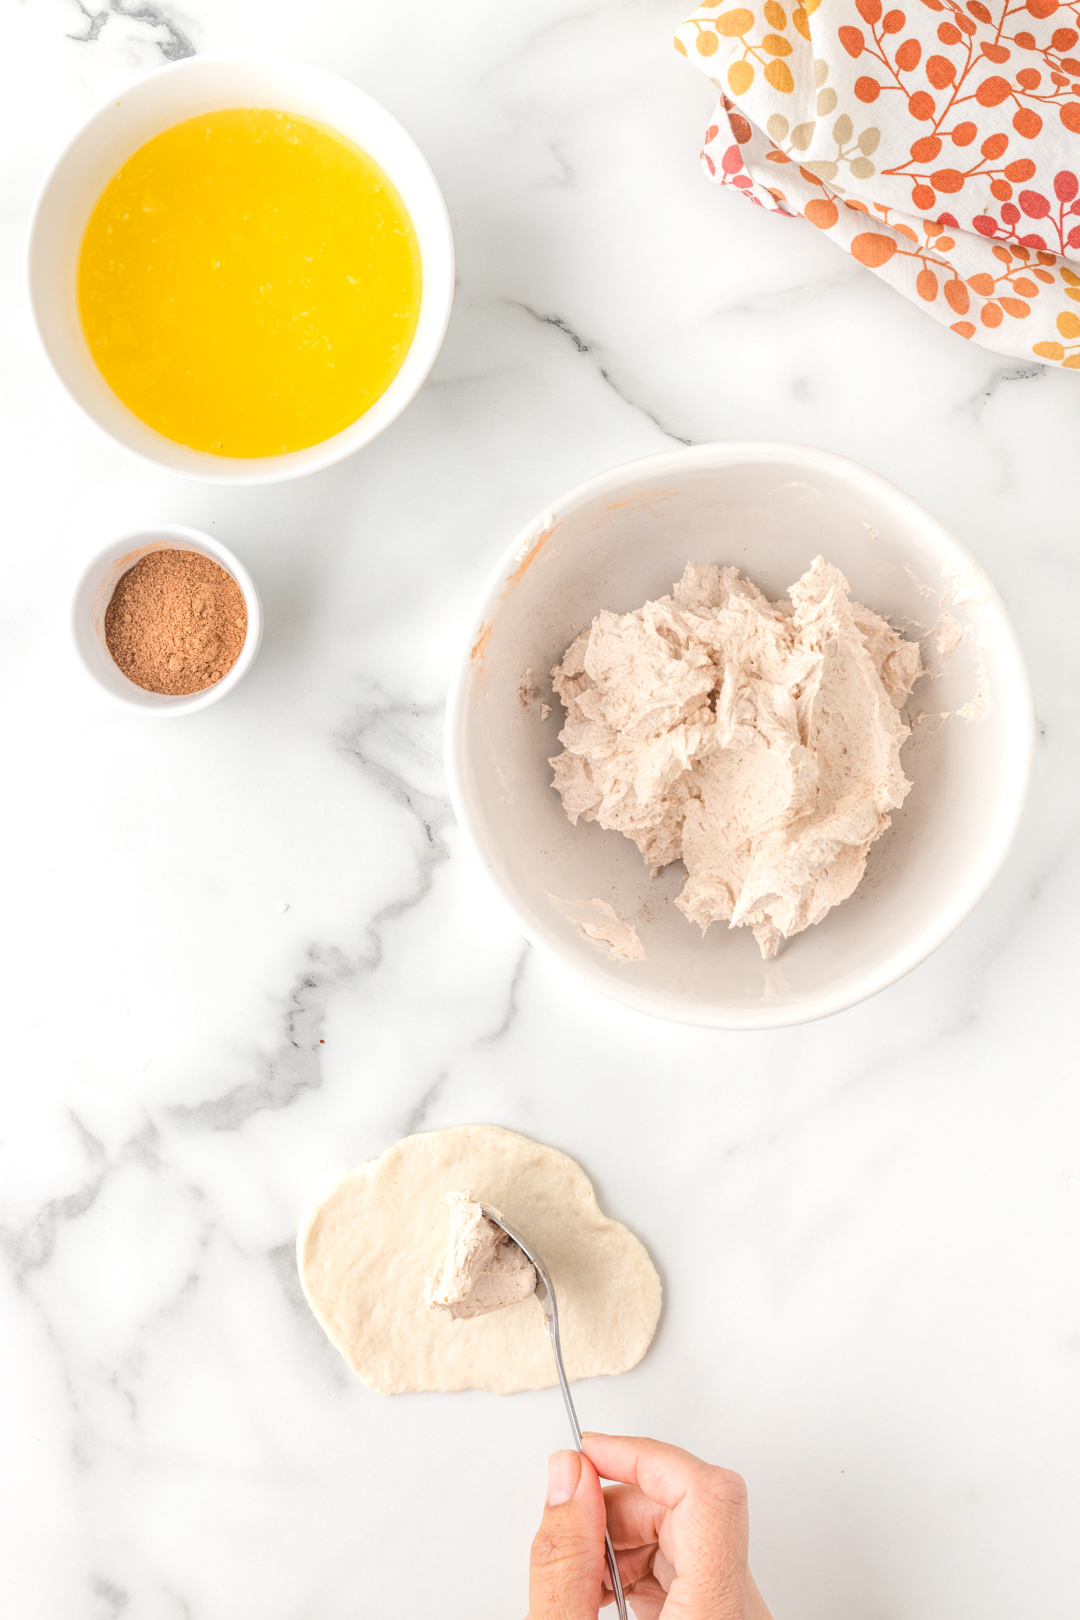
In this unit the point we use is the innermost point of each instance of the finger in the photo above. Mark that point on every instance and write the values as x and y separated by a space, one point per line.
633 1520
635 1564
629 1515
647 1598
661 1472
636 1522
566 1571
634 1560
701 1526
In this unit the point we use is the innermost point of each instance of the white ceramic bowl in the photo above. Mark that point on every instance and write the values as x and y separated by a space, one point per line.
624 537
94 593
181 90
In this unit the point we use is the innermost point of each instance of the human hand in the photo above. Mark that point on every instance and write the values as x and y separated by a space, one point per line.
679 1527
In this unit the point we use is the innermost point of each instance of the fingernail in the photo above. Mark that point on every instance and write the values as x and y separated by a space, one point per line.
564 1472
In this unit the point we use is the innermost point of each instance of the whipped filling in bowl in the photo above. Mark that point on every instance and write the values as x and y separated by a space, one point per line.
483 1268
758 742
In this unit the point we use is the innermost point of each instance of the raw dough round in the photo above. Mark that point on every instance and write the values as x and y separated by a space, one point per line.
366 1249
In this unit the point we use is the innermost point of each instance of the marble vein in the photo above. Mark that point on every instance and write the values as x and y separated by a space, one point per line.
112 1596
507 1023
418 1117
415 1118
32 1246
174 46
584 347
296 1068
998 378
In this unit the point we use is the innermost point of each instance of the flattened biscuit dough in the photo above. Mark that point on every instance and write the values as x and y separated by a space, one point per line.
367 1248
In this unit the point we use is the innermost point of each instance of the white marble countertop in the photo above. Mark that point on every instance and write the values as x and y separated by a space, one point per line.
868 1228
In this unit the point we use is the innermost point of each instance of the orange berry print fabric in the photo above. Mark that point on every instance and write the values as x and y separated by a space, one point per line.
938 143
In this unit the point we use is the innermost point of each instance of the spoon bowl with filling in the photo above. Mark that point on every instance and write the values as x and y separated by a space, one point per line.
583 892
282 383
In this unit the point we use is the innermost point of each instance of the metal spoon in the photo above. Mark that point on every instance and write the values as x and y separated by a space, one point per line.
545 1293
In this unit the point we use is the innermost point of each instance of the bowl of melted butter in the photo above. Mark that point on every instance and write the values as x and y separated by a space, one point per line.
241 268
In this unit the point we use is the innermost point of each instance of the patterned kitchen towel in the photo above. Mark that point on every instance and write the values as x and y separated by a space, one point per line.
939 145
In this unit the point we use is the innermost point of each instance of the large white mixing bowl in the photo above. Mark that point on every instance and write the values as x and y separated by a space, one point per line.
770 509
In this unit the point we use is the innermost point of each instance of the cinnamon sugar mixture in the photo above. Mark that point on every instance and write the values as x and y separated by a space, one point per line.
176 623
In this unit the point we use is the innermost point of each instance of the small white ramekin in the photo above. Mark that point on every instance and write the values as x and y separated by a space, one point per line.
201 84
94 593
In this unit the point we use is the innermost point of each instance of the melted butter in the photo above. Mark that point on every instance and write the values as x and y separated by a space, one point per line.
249 282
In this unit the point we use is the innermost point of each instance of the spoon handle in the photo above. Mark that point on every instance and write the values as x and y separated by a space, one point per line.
545 1293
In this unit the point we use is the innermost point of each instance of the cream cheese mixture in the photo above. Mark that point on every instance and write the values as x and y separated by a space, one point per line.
601 923
759 742
483 1270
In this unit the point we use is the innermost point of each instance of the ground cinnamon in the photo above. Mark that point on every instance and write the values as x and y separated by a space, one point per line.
176 622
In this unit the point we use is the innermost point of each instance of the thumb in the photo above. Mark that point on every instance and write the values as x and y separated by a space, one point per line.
566 1571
